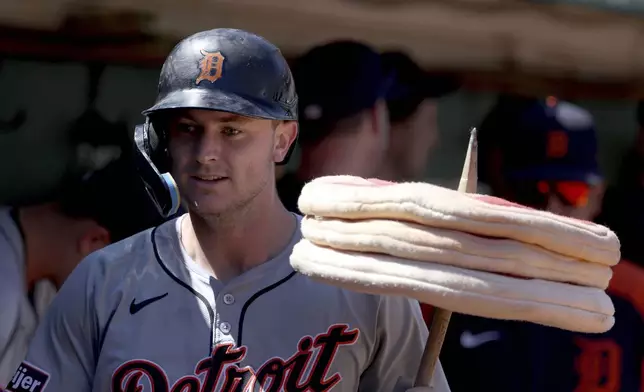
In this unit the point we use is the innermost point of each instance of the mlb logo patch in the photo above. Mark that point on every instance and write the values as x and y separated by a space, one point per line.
28 378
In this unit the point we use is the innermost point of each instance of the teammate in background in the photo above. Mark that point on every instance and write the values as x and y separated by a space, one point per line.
42 243
547 160
413 112
622 208
342 87
209 301
413 105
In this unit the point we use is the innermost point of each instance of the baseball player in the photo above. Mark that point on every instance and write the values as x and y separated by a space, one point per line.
620 209
42 243
547 157
413 113
208 301
343 114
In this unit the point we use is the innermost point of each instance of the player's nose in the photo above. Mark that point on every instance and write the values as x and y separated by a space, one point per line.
208 147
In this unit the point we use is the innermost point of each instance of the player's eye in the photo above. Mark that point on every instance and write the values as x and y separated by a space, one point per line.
229 131
185 127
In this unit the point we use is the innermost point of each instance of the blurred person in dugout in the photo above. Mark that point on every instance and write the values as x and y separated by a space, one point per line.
622 210
413 113
344 122
42 241
543 153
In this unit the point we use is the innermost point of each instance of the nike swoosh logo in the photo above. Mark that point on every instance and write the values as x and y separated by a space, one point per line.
135 308
470 340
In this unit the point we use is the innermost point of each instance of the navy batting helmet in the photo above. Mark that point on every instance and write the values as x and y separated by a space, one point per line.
227 70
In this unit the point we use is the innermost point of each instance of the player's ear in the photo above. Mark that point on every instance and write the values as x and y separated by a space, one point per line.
93 238
285 135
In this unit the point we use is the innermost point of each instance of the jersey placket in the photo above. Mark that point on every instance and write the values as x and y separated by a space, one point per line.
226 313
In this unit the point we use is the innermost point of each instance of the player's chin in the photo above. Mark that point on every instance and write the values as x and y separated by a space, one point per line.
209 203
210 210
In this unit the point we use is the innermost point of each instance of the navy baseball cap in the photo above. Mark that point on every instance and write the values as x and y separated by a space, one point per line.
113 196
411 80
552 140
335 81
413 85
101 183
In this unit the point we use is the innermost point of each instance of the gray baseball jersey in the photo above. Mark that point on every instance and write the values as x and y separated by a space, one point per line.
141 316
18 319
18 314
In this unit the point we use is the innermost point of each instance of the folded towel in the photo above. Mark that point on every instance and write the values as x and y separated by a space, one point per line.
349 197
465 253
484 294
422 243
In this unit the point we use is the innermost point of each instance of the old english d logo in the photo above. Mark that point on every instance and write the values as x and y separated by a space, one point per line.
211 66
557 144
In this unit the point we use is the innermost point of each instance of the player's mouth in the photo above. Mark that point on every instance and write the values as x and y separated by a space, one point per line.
208 179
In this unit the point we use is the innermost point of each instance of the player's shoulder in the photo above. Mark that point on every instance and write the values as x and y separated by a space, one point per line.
11 274
135 246
122 258
115 268
627 275
628 283
13 294
628 269
13 290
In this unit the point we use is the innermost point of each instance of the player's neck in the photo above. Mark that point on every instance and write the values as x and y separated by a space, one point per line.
229 248
346 161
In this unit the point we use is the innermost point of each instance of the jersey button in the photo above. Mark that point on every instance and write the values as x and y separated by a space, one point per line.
224 327
229 299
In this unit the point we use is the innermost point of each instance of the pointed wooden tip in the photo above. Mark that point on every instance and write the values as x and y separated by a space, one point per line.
469 176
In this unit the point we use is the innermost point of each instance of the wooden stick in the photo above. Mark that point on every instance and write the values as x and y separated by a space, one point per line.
440 321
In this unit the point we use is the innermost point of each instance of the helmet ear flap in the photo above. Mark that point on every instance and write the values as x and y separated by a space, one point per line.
153 137
158 182
158 145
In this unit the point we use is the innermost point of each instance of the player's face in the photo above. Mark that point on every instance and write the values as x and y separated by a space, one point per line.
413 141
370 141
221 162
